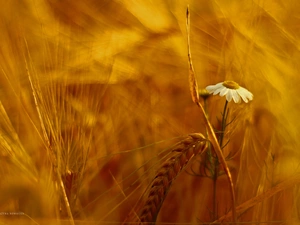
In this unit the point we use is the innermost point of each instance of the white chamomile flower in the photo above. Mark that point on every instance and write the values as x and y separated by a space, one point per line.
232 90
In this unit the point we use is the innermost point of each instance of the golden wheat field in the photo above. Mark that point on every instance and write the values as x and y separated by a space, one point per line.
98 124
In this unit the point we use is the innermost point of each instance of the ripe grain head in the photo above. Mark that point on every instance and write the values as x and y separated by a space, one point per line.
182 153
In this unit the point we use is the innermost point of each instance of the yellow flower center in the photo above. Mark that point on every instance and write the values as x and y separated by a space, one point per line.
231 84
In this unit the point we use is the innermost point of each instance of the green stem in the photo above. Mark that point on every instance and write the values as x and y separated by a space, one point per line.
215 178
223 124
216 162
213 139
213 171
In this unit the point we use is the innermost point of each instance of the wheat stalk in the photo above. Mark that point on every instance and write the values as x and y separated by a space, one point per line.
182 153
210 131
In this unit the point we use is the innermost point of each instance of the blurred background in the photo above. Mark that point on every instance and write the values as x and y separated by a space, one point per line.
92 91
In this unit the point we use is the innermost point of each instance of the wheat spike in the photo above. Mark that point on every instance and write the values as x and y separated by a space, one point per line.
182 153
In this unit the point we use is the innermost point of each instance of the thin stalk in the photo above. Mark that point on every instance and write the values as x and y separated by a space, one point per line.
223 124
213 170
216 161
210 132
215 178
209 152
213 139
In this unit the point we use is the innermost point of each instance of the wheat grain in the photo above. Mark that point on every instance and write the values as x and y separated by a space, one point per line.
182 153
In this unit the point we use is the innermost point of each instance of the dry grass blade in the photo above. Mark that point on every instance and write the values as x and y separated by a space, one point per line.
192 79
259 198
183 152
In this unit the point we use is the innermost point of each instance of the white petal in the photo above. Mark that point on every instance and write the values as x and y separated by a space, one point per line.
224 91
219 84
241 92
212 88
248 94
235 96
229 96
245 94
219 90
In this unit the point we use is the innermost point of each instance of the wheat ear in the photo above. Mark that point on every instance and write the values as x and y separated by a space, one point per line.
182 153
36 95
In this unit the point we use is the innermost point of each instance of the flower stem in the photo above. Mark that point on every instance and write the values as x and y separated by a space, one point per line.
214 165
213 139
215 178
216 162
223 124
